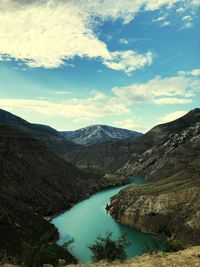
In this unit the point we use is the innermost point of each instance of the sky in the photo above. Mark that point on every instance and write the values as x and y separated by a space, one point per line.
125 63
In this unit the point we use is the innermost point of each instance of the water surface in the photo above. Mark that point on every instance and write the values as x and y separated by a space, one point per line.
88 219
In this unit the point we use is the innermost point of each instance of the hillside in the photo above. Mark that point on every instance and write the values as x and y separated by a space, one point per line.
185 258
114 155
96 134
35 182
43 133
171 204
169 156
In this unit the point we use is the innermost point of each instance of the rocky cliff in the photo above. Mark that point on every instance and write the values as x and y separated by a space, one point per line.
168 207
171 203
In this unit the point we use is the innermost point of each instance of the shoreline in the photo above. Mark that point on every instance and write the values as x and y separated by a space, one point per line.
125 180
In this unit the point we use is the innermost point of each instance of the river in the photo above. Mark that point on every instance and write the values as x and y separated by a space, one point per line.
88 219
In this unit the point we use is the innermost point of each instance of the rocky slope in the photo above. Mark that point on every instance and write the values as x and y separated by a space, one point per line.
124 154
169 207
43 133
96 134
186 258
171 204
35 182
174 154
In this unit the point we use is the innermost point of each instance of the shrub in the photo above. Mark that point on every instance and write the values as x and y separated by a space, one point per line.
174 245
45 252
105 248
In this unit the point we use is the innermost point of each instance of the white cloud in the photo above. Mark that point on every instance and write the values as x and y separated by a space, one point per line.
187 22
96 106
158 91
169 90
128 61
62 93
171 116
123 41
130 124
165 23
47 33
194 72
180 10
172 100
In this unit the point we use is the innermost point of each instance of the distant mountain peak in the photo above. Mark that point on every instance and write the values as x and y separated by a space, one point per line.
98 133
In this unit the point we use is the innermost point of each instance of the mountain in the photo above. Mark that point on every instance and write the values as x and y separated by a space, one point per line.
43 133
96 134
114 155
171 203
34 183
169 156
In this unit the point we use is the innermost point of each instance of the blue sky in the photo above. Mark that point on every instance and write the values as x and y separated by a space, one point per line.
70 64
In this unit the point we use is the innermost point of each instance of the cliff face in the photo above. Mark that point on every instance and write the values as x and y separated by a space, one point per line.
171 203
178 153
168 207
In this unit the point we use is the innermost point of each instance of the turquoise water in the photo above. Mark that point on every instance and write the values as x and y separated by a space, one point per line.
88 219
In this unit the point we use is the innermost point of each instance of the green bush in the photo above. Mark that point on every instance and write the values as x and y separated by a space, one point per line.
105 248
174 245
44 252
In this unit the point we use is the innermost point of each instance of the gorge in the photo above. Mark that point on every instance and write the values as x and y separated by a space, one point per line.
89 219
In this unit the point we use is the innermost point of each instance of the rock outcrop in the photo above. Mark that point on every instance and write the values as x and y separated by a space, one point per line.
171 203
162 207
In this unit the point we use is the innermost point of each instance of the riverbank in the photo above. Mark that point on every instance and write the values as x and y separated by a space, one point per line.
94 221
106 182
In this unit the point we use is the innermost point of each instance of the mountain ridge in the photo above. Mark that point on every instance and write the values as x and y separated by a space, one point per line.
112 155
171 203
44 133
99 133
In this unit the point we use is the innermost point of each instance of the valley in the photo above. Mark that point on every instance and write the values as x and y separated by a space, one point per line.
37 182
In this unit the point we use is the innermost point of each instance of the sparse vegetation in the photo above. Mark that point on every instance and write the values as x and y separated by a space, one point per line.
45 252
174 245
105 248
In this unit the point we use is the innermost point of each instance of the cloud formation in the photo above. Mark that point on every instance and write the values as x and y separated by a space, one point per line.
48 33
194 72
171 116
169 90
177 90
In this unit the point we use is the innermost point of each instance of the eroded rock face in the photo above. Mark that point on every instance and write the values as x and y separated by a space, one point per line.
143 155
178 153
169 211
171 204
